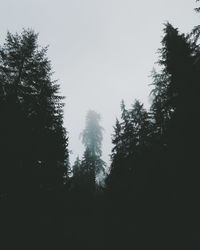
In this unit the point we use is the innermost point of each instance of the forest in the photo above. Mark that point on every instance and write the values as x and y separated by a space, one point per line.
148 198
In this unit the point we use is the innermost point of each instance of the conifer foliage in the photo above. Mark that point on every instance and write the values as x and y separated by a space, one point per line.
151 195
89 172
33 140
155 151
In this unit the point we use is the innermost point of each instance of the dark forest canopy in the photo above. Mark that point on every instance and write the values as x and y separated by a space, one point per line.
151 196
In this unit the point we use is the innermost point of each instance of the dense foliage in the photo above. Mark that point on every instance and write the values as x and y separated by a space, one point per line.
155 152
149 198
33 141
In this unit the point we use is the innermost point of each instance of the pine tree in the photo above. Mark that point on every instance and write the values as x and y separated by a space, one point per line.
117 150
160 112
173 86
77 167
88 168
92 134
92 137
131 140
31 131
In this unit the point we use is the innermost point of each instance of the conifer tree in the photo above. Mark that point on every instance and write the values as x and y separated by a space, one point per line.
92 166
31 131
131 140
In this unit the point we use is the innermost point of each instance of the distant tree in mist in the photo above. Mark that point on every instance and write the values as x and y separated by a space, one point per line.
90 169
92 135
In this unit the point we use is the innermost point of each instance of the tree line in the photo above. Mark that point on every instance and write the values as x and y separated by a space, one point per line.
153 182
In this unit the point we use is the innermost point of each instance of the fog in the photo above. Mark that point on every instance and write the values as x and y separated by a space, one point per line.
102 51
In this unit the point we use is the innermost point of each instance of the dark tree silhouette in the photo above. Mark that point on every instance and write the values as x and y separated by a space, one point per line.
131 141
33 139
154 153
151 194
33 144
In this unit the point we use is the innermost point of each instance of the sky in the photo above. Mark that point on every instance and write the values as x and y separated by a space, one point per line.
102 51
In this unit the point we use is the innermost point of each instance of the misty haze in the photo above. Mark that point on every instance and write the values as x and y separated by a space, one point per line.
99 129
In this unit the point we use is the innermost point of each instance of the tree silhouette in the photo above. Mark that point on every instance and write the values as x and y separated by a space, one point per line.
89 172
32 132
151 193
131 141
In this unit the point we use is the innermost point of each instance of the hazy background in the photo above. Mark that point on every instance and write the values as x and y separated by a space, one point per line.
101 50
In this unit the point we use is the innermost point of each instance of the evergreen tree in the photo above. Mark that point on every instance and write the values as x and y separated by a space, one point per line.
31 132
131 140
92 134
141 124
172 87
89 172
92 137
176 59
77 167
160 112
175 111
88 168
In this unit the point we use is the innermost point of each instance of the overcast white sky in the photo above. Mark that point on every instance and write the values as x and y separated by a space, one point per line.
101 50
